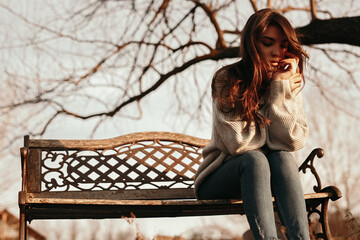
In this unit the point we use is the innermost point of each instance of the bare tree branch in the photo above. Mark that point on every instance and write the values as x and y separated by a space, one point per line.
349 73
331 100
161 41
313 9
254 5
269 4
211 14
214 55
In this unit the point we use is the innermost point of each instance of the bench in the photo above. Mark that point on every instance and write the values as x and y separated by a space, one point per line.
146 174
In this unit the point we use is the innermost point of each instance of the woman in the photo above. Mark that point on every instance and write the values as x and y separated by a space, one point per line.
258 119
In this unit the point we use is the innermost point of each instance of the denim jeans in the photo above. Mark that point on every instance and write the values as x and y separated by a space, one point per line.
255 177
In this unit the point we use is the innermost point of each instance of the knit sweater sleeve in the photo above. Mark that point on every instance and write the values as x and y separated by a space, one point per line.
228 139
288 129
230 130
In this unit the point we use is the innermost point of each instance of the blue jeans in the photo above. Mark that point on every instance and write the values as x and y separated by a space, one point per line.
254 176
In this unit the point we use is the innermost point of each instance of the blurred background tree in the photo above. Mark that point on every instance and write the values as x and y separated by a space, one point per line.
101 59
101 68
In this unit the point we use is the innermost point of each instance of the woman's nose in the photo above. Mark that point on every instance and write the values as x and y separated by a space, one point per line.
276 51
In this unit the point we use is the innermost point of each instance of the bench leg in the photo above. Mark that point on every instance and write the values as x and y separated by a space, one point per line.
22 225
323 221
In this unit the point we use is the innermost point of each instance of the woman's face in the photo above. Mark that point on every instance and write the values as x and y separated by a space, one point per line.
272 45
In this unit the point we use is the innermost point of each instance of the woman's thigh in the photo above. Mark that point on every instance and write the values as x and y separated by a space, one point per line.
225 182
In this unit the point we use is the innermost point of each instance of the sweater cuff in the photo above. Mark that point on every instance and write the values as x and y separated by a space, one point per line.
279 91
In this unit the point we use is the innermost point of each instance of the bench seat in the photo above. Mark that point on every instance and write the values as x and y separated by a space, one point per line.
137 175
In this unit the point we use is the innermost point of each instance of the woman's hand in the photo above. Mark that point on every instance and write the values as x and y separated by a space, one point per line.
288 70
295 81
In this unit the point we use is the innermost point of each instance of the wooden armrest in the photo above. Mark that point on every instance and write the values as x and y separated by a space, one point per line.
334 191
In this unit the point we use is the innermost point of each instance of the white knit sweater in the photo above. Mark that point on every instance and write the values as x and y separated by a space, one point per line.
287 131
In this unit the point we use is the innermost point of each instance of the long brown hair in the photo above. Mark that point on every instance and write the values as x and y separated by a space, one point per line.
246 81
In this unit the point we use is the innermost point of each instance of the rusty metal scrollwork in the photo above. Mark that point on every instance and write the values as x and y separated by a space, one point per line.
309 164
149 164
320 233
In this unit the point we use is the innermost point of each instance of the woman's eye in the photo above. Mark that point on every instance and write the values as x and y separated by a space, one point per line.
267 44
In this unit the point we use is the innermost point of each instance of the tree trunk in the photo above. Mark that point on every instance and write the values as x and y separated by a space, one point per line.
336 30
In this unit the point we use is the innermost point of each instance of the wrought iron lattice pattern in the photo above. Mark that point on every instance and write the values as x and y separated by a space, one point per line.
140 165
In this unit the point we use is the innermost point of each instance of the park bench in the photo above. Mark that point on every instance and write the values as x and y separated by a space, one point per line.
146 174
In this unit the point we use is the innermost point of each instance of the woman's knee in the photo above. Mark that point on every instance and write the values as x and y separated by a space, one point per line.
281 161
256 161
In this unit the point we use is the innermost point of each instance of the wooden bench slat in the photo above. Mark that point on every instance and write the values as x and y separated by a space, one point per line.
31 198
116 141
139 194
58 208
41 211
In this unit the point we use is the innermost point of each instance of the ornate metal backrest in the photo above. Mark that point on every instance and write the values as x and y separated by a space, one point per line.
152 160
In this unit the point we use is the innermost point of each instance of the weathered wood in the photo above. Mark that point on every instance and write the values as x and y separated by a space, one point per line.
34 171
35 198
149 174
58 208
116 141
139 194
